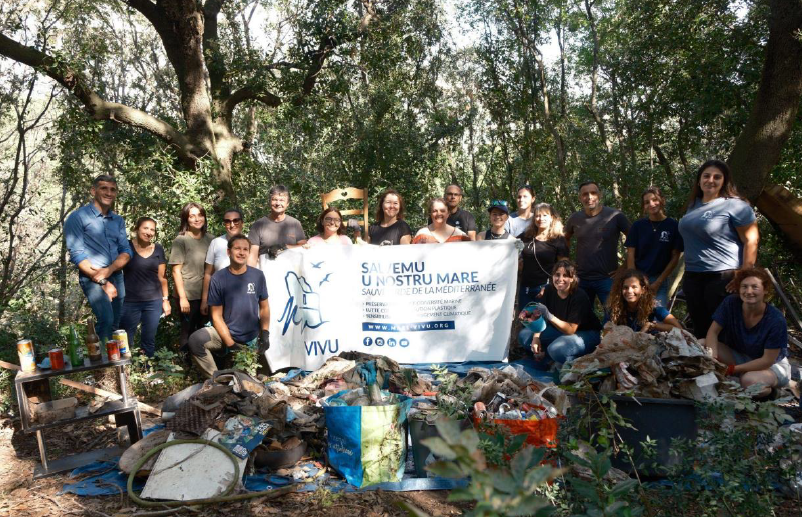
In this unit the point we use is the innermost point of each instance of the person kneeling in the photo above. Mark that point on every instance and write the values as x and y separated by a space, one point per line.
572 329
749 335
238 307
633 304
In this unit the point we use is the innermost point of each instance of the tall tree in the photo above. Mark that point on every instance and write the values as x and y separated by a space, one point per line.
212 77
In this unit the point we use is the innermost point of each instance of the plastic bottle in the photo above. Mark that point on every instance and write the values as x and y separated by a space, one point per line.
76 356
93 342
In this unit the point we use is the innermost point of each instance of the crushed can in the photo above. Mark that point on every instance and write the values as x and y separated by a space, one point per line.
27 360
121 336
113 350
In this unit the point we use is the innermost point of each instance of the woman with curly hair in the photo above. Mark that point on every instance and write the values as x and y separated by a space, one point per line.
632 303
331 229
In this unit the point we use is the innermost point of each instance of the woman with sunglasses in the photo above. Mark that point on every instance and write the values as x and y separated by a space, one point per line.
217 255
499 214
145 286
330 229
544 245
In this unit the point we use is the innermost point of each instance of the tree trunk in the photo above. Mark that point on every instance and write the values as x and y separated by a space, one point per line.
758 147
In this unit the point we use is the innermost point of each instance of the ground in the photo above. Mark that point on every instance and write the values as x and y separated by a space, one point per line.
23 496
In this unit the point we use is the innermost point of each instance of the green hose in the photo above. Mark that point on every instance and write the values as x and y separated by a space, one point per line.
224 497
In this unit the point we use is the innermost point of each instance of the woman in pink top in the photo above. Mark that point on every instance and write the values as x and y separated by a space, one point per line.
330 229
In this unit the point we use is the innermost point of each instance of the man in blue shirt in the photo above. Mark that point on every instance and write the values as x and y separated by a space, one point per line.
98 245
238 307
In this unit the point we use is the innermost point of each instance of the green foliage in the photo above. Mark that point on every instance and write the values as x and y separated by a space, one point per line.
159 376
453 399
514 489
598 497
246 359
744 452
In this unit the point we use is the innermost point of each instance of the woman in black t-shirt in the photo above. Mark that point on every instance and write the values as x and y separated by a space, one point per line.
390 227
544 245
146 295
572 328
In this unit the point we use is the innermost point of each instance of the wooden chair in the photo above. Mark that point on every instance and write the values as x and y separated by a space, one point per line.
340 194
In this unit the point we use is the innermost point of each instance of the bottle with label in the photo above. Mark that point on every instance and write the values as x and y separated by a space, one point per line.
76 355
93 342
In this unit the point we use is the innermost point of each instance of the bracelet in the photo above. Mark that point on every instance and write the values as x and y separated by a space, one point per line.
730 370
165 298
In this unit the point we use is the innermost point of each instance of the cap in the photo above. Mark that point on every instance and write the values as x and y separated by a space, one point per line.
500 204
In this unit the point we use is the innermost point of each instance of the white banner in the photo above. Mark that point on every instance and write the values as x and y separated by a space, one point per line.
431 303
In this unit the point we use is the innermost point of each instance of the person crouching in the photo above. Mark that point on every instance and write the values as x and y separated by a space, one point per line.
238 307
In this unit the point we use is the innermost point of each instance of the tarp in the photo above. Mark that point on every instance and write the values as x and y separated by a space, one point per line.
413 304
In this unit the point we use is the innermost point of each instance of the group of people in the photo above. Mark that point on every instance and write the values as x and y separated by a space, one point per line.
125 282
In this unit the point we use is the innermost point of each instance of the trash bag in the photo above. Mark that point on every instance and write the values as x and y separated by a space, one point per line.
367 444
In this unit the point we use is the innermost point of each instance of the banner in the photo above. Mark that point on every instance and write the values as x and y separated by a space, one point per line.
428 303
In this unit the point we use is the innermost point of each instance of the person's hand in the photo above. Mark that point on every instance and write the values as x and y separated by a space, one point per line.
264 341
655 286
204 307
274 250
110 289
184 304
537 348
353 224
99 274
235 347
166 308
544 311
648 326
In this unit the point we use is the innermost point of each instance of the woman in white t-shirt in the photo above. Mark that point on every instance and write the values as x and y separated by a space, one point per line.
217 255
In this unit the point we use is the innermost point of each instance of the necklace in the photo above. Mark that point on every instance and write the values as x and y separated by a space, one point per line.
495 237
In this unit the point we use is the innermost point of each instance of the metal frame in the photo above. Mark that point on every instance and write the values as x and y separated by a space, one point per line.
125 412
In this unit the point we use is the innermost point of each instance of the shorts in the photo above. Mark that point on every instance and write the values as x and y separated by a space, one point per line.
781 369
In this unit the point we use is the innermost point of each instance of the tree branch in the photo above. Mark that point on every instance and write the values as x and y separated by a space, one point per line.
96 106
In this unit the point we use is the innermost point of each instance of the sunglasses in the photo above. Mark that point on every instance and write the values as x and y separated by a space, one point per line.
498 202
232 221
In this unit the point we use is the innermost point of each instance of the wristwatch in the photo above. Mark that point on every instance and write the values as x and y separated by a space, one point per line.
102 281
165 298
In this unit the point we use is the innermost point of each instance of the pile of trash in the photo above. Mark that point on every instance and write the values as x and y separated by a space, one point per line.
666 365
353 411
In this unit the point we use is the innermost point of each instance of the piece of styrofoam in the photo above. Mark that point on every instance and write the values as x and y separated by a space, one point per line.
191 471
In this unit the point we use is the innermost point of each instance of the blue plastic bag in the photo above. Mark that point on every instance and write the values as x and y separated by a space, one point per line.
367 444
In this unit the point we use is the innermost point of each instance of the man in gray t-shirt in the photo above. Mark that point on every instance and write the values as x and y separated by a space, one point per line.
277 231
598 229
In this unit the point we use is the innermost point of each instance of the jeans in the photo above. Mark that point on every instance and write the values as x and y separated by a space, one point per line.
704 292
107 312
597 288
528 294
147 313
563 348
662 294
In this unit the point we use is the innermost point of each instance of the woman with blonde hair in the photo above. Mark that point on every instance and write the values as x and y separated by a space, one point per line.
544 245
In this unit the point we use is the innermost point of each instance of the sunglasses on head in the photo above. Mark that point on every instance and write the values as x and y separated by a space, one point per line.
498 202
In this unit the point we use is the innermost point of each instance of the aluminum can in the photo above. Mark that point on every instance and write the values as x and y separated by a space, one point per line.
121 336
27 359
56 358
113 349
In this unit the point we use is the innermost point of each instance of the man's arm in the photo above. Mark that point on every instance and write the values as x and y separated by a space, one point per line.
220 325
630 258
471 234
253 256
